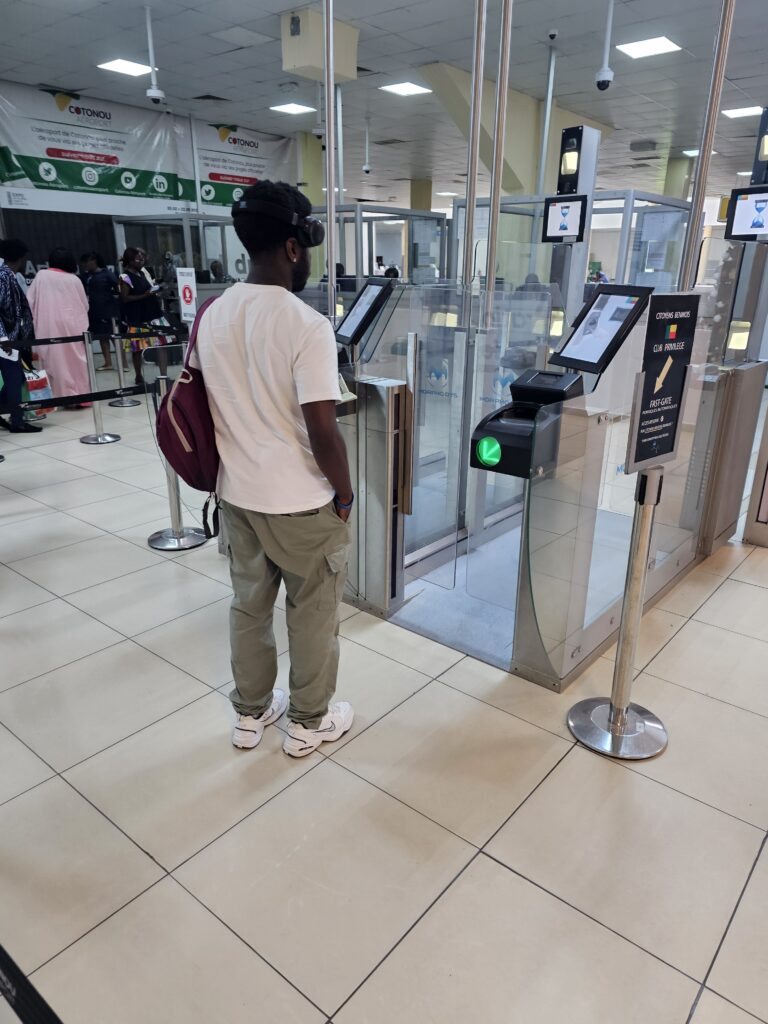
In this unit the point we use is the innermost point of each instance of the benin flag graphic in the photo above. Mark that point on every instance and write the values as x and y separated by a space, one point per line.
671 332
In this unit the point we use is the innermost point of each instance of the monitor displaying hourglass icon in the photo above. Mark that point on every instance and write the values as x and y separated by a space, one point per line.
748 214
564 218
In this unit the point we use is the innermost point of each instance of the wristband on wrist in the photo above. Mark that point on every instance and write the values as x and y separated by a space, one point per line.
341 504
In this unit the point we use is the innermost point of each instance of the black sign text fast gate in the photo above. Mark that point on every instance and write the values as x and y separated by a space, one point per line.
668 348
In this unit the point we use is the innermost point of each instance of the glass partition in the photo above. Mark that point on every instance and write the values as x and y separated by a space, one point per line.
578 517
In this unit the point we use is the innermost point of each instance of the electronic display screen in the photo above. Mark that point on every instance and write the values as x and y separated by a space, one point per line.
564 218
601 327
748 214
362 311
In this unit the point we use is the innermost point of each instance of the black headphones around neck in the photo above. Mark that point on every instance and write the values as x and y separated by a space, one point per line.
310 232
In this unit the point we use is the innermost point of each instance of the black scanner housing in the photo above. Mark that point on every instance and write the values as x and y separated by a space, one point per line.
515 425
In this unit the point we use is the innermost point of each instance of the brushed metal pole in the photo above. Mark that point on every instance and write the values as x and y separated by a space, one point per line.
691 244
124 402
551 65
473 158
330 154
497 171
618 727
98 436
179 537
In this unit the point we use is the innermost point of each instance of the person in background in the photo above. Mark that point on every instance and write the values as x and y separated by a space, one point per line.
532 284
392 272
60 310
103 294
269 365
16 332
218 276
138 298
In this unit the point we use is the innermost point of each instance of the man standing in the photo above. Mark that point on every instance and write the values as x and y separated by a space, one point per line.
16 332
270 368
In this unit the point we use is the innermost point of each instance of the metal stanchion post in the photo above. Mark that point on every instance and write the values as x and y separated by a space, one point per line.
617 727
179 537
124 402
98 437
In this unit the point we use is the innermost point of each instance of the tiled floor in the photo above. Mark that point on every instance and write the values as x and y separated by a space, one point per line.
456 857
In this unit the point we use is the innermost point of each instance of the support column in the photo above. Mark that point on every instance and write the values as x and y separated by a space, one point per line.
421 194
310 170
678 180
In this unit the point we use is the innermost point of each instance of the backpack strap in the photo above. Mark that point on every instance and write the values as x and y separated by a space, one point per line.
196 327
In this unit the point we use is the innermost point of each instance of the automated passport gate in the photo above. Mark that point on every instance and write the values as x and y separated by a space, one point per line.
617 727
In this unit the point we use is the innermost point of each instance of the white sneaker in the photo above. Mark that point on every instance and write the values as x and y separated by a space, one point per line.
301 741
249 730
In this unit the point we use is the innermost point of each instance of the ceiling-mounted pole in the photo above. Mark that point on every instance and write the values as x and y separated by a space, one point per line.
536 222
340 173
330 155
497 171
473 157
547 121
688 266
150 46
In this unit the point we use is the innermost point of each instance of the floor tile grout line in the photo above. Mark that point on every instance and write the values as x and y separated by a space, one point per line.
504 711
93 928
66 664
706 696
750 874
404 936
90 586
247 944
630 766
403 803
588 916
522 803
749 1013
334 749
245 817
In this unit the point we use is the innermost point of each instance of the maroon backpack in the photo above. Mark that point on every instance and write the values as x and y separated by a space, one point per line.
185 431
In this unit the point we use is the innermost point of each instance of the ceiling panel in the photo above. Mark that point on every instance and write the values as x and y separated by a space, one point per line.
61 41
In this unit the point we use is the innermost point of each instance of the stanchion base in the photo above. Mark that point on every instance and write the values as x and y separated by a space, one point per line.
99 439
167 540
123 403
645 735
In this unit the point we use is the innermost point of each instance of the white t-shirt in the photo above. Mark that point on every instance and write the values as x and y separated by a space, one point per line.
264 353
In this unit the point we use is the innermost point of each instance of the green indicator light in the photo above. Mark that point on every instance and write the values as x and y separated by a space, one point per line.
488 451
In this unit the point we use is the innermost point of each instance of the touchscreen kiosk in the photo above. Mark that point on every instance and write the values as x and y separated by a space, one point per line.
601 327
364 310
564 218
748 214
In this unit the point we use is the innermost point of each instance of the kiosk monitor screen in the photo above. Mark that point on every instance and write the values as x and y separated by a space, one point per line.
564 218
363 311
601 327
748 214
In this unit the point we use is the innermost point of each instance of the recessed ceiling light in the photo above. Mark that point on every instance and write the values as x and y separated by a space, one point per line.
648 47
446 193
743 112
743 174
404 89
126 67
294 108
336 189
695 152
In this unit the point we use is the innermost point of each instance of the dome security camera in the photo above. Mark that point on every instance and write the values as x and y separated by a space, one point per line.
603 78
366 168
155 94
552 34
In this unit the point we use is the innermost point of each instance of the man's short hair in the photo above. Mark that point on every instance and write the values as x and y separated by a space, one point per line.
261 233
12 249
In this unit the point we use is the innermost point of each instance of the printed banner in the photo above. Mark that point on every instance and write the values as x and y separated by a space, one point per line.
62 151
232 158
61 142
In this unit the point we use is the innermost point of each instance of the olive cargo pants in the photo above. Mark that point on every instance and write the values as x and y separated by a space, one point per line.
309 552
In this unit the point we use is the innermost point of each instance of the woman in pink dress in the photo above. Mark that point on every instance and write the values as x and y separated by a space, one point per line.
60 310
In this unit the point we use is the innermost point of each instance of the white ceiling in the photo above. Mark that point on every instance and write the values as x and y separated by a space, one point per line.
60 42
